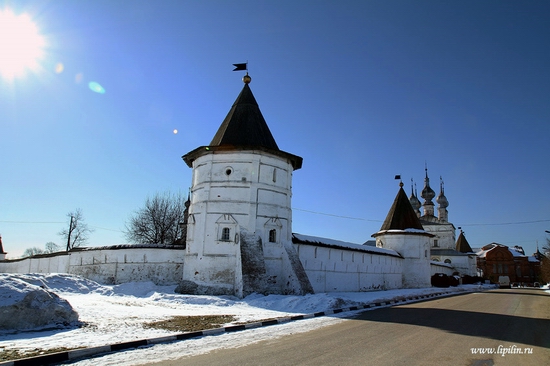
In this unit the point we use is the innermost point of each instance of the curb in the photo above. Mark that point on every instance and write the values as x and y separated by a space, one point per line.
54 358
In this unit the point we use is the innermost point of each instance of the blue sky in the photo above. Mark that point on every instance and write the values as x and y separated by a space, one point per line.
361 90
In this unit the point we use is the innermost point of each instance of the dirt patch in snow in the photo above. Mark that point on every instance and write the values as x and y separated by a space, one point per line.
191 323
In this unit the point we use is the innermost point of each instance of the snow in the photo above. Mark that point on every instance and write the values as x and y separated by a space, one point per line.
115 314
25 305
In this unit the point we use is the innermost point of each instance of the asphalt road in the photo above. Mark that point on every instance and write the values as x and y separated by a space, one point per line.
436 332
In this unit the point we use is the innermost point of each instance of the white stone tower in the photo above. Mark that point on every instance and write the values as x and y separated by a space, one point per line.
403 232
239 231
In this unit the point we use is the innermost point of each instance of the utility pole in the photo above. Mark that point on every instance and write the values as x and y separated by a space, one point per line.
69 235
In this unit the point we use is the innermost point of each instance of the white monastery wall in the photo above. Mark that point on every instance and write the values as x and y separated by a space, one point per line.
108 265
51 263
436 267
333 269
464 264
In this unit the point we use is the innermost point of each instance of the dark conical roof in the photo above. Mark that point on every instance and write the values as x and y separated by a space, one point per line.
462 244
245 125
401 215
244 128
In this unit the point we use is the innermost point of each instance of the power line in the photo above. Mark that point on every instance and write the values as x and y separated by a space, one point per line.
477 224
32 222
103 228
333 215
507 223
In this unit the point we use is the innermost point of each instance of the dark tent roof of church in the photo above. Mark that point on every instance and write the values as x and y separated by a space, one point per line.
244 125
462 244
244 128
401 215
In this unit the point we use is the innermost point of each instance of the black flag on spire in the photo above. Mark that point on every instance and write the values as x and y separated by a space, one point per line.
240 67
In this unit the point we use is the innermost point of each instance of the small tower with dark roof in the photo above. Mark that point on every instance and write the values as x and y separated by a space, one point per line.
239 231
462 244
403 232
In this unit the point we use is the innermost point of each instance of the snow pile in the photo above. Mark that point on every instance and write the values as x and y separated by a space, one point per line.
24 305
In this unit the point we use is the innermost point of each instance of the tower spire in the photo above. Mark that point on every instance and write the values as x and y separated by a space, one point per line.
415 203
441 200
428 194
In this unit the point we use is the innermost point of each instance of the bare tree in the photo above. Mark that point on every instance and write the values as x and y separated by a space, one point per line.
51 247
158 221
29 252
545 262
546 248
78 231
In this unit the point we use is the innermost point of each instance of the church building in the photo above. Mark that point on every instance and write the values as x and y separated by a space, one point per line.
443 246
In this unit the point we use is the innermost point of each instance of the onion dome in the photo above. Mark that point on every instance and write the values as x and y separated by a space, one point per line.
427 193
441 199
415 202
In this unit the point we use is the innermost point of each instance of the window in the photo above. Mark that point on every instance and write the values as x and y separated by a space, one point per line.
272 236
436 244
447 260
225 234
272 228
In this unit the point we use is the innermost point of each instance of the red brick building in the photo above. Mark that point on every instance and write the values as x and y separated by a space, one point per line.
494 260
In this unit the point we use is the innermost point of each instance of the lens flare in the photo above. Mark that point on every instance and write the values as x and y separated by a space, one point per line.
95 87
59 68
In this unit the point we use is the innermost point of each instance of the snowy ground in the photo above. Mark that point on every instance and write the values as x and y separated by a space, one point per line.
115 314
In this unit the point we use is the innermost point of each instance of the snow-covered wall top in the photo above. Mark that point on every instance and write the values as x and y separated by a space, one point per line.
331 243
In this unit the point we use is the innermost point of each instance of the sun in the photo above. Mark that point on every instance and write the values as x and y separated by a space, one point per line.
21 45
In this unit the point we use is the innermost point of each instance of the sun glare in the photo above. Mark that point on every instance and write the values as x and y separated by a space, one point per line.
21 45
